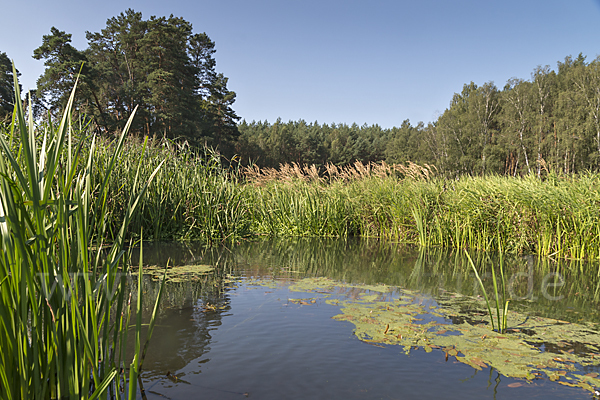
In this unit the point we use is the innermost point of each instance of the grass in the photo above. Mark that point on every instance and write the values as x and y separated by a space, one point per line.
192 197
557 217
501 306
196 197
65 306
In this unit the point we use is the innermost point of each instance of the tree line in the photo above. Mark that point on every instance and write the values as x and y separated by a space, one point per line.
168 72
548 123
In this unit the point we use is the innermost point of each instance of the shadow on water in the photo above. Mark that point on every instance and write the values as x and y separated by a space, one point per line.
190 339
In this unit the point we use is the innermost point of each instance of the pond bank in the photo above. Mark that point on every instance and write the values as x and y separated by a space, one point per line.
196 197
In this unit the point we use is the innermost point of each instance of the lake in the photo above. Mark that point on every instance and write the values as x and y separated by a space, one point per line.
359 319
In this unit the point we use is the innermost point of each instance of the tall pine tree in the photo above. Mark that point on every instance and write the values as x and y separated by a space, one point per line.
158 65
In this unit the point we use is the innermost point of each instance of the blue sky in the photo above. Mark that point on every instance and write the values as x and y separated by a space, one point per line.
374 62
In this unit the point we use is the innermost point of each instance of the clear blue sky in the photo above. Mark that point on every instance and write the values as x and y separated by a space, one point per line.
374 62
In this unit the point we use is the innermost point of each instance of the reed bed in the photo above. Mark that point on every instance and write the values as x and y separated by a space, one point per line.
558 216
65 306
196 196
192 197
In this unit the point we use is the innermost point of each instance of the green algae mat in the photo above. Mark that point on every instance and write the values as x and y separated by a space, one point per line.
181 273
533 347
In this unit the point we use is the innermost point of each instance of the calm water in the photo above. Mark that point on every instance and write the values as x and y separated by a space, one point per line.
236 339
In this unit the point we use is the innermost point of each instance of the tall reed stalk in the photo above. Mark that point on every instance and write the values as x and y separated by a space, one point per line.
64 302
501 301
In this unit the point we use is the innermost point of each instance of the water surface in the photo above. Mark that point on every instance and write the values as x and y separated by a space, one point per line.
253 337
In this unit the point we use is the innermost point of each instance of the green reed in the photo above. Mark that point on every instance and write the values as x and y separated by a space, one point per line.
197 196
501 307
557 217
309 210
64 302
192 197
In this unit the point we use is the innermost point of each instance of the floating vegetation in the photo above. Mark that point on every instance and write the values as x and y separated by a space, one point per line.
270 284
304 302
208 307
531 348
326 285
182 273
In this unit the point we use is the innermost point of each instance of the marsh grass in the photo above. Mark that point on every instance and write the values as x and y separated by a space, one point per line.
193 196
501 301
65 308
198 196
557 216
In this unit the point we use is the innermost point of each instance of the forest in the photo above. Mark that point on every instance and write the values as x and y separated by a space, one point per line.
550 122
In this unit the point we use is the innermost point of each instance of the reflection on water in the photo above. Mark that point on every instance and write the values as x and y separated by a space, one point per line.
184 329
565 290
224 339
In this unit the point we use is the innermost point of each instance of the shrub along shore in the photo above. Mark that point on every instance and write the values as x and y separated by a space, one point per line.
195 196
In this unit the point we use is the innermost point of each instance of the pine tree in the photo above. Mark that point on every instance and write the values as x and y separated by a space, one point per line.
7 93
158 65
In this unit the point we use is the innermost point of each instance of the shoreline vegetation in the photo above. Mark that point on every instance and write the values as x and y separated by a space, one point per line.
65 291
198 196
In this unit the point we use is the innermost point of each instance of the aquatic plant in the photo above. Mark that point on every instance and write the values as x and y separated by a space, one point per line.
501 302
395 316
194 195
65 306
197 195
557 217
